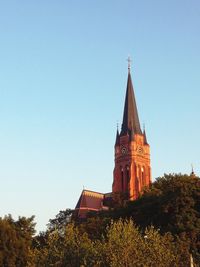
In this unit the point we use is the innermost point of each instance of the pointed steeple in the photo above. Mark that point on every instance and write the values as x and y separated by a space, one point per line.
130 122
132 171
145 137
117 138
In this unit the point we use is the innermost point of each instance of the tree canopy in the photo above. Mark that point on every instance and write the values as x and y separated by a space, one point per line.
171 204
160 228
122 245
15 241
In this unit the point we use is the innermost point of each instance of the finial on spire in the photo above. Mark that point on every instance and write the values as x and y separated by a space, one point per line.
192 173
129 63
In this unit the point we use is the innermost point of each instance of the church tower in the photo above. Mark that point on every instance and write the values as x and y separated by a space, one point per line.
132 171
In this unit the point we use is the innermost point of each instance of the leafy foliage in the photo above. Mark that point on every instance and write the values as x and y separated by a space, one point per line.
69 248
160 228
171 204
61 220
15 241
122 245
127 246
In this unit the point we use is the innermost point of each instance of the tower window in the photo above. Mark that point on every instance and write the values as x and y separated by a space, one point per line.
127 174
122 178
143 176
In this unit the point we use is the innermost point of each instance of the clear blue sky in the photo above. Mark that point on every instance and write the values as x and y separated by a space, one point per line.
63 74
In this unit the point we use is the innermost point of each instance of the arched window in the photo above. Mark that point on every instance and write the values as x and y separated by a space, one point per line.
135 166
139 178
143 176
122 178
127 174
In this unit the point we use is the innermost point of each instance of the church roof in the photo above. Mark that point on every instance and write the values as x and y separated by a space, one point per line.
89 201
130 122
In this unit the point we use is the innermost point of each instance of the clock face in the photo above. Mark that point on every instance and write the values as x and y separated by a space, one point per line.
124 150
140 150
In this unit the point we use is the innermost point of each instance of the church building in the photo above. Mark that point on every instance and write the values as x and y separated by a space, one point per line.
132 171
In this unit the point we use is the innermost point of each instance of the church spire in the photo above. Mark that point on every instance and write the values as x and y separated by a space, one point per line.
145 137
117 137
130 122
132 171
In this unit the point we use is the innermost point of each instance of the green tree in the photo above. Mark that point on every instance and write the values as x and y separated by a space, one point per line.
60 220
122 245
94 226
171 204
15 241
167 216
126 246
68 248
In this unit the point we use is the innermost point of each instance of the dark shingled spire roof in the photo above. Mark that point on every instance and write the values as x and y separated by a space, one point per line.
130 122
117 138
145 137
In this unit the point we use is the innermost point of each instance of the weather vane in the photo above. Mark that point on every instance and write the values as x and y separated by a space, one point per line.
129 63
192 169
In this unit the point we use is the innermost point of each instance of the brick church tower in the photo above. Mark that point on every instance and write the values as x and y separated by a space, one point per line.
132 171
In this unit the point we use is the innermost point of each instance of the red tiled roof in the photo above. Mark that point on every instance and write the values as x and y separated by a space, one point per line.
89 201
